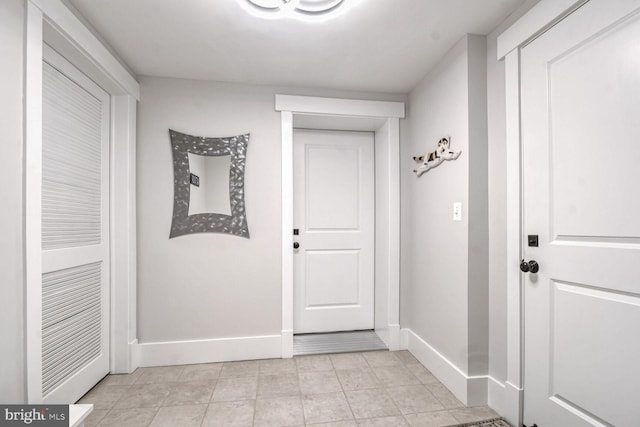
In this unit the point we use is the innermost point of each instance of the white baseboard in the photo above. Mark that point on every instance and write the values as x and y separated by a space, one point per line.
470 390
209 351
496 396
287 343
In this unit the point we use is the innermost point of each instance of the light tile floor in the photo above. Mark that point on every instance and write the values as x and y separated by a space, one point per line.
379 388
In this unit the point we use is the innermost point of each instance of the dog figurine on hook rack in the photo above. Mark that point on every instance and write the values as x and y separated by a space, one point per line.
434 158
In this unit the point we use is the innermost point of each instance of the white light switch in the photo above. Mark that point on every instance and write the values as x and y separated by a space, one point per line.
457 211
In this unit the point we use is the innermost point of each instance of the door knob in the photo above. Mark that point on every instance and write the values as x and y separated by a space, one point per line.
296 245
529 267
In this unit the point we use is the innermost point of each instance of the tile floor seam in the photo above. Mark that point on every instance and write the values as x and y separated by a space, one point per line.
406 420
155 415
204 416
113 405
255 407
304 421
353 415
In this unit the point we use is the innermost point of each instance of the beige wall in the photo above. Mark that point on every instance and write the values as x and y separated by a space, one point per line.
205 286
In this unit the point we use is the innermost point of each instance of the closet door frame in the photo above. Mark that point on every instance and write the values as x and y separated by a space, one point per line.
52 22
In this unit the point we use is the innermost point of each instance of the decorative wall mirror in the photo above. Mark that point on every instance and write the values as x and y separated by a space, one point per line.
208 177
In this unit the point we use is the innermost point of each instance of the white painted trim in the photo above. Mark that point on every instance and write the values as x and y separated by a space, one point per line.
514 404
287 343
339 107
208 351
123 232
542 16
514 233
387 239
391 337
287 233
507 400
76 33
470 390
134 353
404 339
33 201
394 232
391 112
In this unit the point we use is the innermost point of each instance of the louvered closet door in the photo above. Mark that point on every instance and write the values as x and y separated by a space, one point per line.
75 232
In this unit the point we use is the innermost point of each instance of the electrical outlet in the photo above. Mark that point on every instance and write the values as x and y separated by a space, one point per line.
457 211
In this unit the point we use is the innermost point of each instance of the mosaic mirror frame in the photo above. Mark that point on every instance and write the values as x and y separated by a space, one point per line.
183 223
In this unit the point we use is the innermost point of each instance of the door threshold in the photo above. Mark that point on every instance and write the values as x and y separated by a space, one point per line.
337 342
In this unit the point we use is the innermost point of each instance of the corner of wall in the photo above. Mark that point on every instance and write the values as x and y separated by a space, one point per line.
478 258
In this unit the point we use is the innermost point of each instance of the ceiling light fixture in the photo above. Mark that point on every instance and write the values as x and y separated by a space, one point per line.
305 10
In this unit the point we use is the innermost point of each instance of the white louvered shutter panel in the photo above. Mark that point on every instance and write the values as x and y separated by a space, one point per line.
71 330
75 238
71 166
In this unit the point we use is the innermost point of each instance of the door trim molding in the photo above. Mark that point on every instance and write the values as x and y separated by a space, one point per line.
540 18
53 22
515 335
387 139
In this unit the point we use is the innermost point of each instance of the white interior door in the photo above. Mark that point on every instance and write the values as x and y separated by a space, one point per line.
75 232
581 144
334 213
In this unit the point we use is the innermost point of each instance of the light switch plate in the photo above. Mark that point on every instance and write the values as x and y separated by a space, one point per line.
457 211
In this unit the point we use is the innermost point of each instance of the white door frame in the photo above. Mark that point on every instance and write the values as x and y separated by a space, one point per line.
52 22
385 121
535 22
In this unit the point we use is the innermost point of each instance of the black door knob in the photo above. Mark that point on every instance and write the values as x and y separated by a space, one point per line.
296 245
529 267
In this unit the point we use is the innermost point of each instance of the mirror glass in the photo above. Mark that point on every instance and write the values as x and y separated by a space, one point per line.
209 181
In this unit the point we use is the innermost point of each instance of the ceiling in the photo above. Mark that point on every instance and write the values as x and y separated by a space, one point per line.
377 45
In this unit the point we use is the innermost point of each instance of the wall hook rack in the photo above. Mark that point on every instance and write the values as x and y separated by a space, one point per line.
434 158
